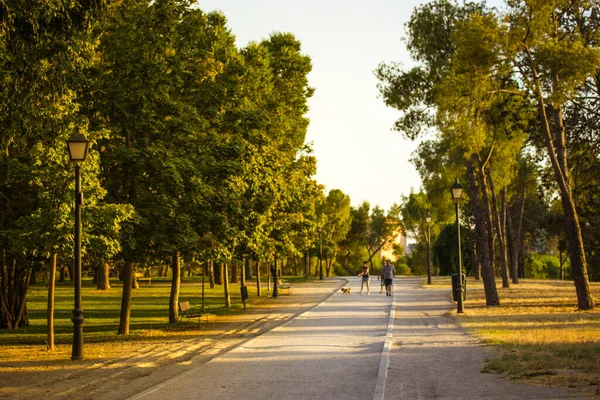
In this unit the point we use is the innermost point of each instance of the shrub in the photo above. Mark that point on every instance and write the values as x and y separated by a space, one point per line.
543 266
402 269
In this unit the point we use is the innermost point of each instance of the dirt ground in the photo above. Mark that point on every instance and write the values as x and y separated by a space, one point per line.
123 369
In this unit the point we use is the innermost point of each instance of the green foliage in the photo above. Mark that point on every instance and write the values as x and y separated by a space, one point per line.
544 266
373 229
445 250
195 146
402 269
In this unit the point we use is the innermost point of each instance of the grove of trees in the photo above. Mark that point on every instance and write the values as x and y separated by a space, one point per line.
197 153
507 102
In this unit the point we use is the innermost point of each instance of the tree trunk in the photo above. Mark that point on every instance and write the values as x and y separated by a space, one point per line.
226 285
476 264
488 219
33 279
22 287
258 292
211 274
5 320
562 266
500 227
126 299
218 272
104 277
234 272
248 269
245 265
557 152
175 281
483 255
50 310
519 236
513 247
13 305
307 264
62 276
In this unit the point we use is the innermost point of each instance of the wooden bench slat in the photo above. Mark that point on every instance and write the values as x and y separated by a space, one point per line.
188 312
140 277
285 286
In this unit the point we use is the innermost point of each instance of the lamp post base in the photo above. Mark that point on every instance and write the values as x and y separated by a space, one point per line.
77 351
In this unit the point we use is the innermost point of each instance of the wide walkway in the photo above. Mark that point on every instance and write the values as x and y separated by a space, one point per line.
432 358
356 347
330 352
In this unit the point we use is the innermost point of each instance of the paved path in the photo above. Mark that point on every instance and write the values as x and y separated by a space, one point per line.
432 358
330 352
355 347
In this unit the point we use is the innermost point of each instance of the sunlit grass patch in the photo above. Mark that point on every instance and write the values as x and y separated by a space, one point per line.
437 282
542 336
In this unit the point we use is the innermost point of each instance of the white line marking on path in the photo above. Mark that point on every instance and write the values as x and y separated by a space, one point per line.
385 354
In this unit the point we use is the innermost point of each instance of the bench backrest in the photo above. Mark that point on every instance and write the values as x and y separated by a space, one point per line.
139 274
184 306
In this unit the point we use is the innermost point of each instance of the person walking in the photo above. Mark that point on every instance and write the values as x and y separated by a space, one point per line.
365 277
389 274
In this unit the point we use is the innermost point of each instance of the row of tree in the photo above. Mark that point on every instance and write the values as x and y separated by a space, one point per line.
507 101
196 150
197 147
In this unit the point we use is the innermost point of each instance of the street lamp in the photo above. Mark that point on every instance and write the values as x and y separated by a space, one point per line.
320 229
78 147
456 191
428 220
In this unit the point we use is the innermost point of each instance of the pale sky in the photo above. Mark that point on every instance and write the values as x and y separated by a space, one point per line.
350 126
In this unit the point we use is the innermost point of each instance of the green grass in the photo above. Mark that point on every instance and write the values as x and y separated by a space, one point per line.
149 310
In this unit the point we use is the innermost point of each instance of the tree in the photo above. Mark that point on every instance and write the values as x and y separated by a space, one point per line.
374 228
335 213
43 47
423 95
547 52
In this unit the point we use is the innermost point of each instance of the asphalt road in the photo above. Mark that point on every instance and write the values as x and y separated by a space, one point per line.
356 347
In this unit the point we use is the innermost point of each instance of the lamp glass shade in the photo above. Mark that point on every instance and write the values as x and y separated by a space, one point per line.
428 218
78 147
456 190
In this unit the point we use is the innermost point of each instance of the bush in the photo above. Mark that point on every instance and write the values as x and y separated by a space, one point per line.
402 269
543 266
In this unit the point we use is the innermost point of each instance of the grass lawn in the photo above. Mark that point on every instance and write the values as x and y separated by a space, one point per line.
149 315
541 335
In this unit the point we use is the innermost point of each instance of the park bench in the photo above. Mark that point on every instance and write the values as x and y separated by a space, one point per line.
284 286
188 312
141 278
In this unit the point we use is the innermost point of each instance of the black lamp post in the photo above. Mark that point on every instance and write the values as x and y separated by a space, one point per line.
78 147
456 191
428 220
320 229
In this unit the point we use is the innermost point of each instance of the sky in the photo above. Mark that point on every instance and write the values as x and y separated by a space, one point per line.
350 127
